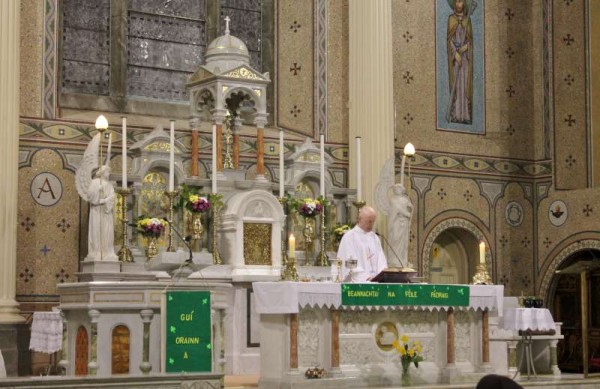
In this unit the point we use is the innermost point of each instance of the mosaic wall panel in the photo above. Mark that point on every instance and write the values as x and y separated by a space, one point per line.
510 106
86 46
295 70
33 45
515 241
451 193
48 226
337 71
246 18
570 136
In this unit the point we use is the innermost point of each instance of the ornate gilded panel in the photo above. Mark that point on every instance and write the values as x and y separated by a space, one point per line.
154 203
257 244
81 352
120 350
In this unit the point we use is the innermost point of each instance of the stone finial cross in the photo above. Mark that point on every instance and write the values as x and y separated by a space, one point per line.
227 20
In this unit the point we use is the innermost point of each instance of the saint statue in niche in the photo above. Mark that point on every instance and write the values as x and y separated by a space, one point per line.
459 39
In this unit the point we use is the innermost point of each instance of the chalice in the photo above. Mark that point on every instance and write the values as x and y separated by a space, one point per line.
351 264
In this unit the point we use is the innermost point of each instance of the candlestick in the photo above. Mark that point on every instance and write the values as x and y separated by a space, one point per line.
216 205
322 258
171 194
124 154
172 158
281 172
214 159
482 252
358 171
292 246
109 149
124 252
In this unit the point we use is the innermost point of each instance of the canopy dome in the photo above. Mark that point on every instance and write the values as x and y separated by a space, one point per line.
227 48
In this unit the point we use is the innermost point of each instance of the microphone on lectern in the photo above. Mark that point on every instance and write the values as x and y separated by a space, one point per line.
391 248
185 240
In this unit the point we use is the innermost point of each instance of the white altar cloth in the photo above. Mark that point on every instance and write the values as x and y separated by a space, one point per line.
46 332
523 319
290 297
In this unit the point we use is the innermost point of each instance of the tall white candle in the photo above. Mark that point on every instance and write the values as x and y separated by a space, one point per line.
292 246
281 172
482 253
172 158
124 154
358 171
322 182
402 170
214 158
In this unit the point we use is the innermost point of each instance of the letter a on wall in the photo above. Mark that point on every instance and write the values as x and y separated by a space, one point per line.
187 335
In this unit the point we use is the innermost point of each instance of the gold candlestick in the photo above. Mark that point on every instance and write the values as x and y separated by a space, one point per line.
124 252
482 277
290 273
283 202
215 208
322 258
359 204
171 195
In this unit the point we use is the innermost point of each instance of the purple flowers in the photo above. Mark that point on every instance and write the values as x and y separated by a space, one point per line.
151 227
198 203
310 208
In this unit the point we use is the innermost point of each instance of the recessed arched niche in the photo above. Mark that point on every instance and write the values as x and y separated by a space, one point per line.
120 350
81 351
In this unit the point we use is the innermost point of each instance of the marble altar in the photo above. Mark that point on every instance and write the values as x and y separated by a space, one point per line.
305 325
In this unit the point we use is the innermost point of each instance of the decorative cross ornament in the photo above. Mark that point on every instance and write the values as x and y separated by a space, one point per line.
227 20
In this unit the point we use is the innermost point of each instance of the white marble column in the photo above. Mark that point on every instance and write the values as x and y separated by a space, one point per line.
371 90
9 157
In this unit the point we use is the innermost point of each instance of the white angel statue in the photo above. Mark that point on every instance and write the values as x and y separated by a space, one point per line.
99 192
398 207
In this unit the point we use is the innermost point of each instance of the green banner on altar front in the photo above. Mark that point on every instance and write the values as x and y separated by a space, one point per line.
405 294
189 334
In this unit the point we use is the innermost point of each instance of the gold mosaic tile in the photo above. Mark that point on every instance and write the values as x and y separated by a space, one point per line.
32 28
295 46
47 235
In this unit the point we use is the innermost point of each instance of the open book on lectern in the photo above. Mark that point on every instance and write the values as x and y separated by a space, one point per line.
396 275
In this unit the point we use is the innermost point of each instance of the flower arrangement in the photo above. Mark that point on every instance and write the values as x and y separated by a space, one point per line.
151 227
340 230
197 203
409 352
310 207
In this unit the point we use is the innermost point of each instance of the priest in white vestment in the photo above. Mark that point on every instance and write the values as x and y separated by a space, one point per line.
363 244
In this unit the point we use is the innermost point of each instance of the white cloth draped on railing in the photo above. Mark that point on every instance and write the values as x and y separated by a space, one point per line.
46 332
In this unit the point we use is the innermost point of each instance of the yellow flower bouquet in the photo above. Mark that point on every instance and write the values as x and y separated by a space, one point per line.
410 352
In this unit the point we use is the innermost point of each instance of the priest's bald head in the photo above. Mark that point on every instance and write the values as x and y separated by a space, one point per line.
366 218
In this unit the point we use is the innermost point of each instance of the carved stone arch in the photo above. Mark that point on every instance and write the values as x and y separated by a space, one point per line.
163 165
203 102
314 176
576 244
454 222
256 97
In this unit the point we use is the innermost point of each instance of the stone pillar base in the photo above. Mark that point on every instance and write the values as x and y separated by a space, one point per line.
14 343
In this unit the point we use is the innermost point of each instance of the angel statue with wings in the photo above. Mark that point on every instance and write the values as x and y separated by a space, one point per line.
99 192
393 200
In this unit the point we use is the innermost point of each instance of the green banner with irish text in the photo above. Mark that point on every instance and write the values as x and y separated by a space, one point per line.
188 337
405 294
